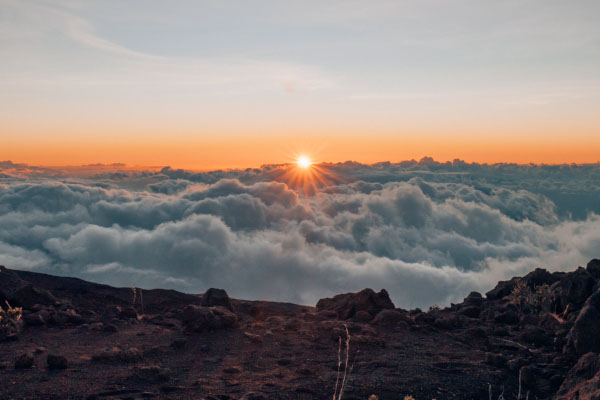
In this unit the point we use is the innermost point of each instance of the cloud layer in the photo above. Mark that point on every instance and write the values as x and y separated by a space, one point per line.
428 232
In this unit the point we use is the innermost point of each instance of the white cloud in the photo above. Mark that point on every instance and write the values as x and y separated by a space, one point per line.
427 240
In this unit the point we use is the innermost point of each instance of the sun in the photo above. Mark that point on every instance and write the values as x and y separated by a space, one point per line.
304 162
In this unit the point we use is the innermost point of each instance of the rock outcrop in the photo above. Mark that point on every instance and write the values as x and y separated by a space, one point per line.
200 319
348 305
216 298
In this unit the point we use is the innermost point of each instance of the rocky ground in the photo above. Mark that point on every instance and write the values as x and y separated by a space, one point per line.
79 340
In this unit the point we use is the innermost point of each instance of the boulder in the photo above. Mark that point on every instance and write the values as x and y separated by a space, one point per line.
392 318
496 360
502 289
65 317
574 288
593 268
583 380
470 311
36 319
533 335
473 299
215 298
127 313
199 319
508 317
348 304
152 374
24 361
117 354
55 361
362 316
539 277
584 337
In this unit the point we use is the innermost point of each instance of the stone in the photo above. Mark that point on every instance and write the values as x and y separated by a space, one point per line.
584 337
55 361
24 361
474 299
496 360
117 354
110 328
470 311
574 289
391 318
348 304
535 336
582 381
153 374
127 313
199 319
509 317
253 396
178 343
215 298
502 289
539 277
362 316
593 268
35 319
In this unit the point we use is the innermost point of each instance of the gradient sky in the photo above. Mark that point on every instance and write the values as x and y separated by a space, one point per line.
216 84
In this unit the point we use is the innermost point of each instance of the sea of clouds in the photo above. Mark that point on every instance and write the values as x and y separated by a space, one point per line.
428 232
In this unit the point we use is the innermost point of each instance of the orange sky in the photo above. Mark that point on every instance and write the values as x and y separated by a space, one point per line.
252 152
229 85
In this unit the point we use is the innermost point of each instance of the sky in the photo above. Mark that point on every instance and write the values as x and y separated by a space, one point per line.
234 84
428 232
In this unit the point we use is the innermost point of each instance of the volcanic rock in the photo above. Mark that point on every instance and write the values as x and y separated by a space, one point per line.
539 277
583 380
585 334
24 361
391 318
127 313
473 299
348 304
199 319
502 289
593 268
572 289
36 319
117 354
216 297
55 361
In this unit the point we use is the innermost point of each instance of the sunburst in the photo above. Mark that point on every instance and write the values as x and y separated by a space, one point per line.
305 175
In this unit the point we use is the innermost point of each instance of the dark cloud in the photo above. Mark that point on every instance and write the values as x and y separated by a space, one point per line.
428 232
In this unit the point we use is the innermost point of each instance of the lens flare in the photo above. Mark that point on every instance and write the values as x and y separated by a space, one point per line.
304 162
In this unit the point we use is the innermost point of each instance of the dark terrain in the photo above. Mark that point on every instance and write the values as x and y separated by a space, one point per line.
80 340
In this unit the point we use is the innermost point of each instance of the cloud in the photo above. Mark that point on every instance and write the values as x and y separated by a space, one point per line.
426 231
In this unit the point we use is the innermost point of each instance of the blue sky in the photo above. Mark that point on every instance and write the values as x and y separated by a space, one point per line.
91 71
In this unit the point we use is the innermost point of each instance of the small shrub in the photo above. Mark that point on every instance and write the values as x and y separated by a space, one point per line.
10 321
536 300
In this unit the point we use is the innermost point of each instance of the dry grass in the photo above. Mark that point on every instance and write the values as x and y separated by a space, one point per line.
10 321
11 314
340 386
536 300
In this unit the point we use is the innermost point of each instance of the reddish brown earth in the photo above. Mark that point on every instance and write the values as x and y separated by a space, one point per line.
186 347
